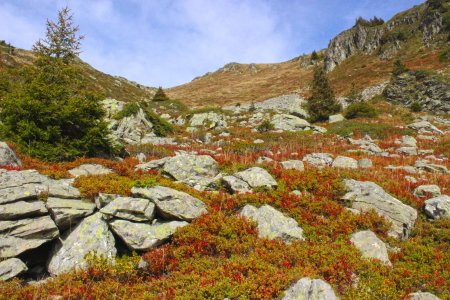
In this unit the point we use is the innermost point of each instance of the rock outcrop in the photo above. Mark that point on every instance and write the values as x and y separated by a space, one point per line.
370 246
310 289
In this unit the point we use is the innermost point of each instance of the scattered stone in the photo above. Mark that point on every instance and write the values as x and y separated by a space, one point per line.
22 209
157 140
210 120
141 157
67 212
424 127
8 157
289 123
319 160
336 118
365 163
345 162
89 169
19 236
410 179
142 236
263 159
429 167
424 190
153 164
422 296
11 268
370 246
133 209
272 224
258 141
310 289
364 196
438 207
236 185
293 165
407 169
407 150
257 177
91 235
172 204
408 141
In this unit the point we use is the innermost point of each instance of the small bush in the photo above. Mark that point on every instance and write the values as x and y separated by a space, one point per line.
265 126
416 107
398 68
160 126
361 110
91 186
160 95
377 131
375 21
128 110
314 56
444 56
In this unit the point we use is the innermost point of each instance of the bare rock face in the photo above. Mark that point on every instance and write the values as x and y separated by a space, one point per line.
91 235
364 196
11 268
8 157
310 289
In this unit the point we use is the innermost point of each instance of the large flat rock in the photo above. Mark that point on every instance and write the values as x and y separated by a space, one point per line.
133 209
11 268
67 212
257 177
22 209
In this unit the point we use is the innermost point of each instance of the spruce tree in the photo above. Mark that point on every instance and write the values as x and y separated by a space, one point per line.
322 102
51 115
160 95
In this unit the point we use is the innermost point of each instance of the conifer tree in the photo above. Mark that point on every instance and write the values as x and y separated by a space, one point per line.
160 95
322 102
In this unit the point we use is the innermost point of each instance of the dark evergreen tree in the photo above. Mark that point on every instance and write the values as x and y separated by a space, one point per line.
398 68
314 56
160 95
51 115
322 102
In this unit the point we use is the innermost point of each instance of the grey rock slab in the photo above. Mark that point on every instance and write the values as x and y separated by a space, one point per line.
425 126
20 185
370 246
293 165
10 268
272 224
310 289
8 157
407 150
344 162
236 185
22 209
424 190
408 141
336 118
89 169
365 163
133 209
62 189
422 296
153 164
104 199
67 212
438 207
143 236
172 204
289 122
19 236
319 160
257 177
90 236
365 195
429 167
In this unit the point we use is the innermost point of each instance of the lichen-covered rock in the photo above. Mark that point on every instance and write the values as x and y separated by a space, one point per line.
344 162
438 207
133 209
427 189
425 165
210 120
8 157
272 224
90 235
422 296
293 165
153 164
336 118
425 127
143 236
104 199
62 189
319 160
364 196
89 169
20 185
11 268
370 246
68 212
236 185
310 289
172 204
197 171
22 209
257 177
289 123
19 236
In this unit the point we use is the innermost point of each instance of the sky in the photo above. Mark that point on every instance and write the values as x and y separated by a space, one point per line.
170 42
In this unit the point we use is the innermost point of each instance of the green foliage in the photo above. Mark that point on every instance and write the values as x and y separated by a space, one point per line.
160 126
52 116
61 39
322 103
375 21
398 68
207 109
354 95
444 56
128 110
145 182
314 56
265 126
375 130
160 95
361 110
416 106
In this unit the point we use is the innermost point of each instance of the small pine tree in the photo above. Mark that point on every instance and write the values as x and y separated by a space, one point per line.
160 95
398 68
314 56
322 102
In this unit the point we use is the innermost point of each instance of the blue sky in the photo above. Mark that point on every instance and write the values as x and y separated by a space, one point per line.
169 42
